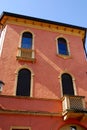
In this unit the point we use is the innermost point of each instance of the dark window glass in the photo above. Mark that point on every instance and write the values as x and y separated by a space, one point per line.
24 82
26 40
73 127
20 129
67 84
62 46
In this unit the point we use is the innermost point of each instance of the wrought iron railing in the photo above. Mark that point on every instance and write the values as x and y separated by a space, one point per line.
73 103
26 54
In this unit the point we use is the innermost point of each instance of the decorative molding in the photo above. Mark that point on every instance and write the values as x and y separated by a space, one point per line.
20 128
44 26
33 113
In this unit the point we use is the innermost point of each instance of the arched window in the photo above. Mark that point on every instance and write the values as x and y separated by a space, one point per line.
23 83
26 40
67 84
1 85
72 127
62 46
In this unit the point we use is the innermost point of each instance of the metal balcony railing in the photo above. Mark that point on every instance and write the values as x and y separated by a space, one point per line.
26 54
73 103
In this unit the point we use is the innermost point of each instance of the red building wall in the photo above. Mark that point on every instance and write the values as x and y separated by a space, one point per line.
43 110
48 66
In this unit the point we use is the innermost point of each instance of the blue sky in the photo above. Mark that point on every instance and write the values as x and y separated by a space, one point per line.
72 12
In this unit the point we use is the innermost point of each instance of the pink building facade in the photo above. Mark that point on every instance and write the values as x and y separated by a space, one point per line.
43 70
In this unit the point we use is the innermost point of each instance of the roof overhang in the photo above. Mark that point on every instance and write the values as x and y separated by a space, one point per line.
57 26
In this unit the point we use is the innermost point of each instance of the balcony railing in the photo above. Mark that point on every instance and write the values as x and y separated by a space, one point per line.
26 54
73 106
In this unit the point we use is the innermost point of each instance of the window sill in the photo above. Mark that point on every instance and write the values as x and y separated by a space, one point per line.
64 56
26 55
26 59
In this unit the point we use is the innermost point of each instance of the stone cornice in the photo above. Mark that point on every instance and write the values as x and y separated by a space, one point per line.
43 24
34 113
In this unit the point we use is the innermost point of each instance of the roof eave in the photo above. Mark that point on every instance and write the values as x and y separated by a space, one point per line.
39 20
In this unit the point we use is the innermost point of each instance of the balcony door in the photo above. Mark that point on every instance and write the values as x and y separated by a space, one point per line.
23 83
67 84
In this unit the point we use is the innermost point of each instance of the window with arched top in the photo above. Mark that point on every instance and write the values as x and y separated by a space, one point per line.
23 83
1 85
26 50
26 41
72 127
62 46
67 84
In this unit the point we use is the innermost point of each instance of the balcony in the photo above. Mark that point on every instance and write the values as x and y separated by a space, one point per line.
26 54
74 107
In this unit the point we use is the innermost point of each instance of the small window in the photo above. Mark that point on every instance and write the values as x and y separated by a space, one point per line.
67 84
62 47
26 40
23 83
1 85
73 127
20 129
